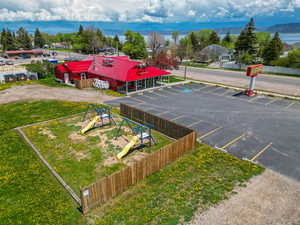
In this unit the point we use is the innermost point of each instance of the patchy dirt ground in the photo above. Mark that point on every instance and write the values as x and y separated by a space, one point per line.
269 199
40 92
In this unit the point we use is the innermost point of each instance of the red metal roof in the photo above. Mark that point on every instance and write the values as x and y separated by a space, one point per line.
123 69
61 68
78 67
25 52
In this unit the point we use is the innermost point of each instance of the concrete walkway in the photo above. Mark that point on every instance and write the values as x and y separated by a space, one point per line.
273 83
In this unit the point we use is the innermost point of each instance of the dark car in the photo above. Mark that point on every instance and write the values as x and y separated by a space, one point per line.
9 62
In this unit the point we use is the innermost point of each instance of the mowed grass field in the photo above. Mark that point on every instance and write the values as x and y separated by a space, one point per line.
30 195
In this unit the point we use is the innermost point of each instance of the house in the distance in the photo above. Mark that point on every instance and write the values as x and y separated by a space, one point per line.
123 74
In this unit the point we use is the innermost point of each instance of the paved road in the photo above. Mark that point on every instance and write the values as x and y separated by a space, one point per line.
261 128
279 84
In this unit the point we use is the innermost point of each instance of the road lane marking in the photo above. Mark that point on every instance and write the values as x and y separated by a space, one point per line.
261 152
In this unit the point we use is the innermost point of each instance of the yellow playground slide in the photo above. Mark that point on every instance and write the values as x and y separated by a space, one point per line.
125 150
90 125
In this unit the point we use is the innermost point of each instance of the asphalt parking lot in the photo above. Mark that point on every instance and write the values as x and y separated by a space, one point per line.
262 129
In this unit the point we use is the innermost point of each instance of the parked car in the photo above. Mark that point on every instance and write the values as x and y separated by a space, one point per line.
2 63
9 62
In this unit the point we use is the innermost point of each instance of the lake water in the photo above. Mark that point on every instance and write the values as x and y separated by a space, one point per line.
290 38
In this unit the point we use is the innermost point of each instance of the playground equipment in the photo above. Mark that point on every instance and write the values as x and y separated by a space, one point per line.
141 132
103 112
125 150
252 72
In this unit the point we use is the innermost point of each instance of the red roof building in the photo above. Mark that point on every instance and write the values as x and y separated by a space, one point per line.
34 52
122 73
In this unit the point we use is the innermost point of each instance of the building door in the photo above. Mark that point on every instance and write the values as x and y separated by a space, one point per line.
83 76
66 78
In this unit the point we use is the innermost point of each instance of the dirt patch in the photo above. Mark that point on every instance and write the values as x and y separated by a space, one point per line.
79 155
48 133
110 161
41 92
75 136
120 142
134 157
270 199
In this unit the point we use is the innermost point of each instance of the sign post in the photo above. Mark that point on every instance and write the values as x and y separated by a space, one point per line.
252 72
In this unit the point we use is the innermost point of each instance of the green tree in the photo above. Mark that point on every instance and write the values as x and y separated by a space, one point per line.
116 42
273 50
214 38
247 42
135 45
23 39
4 40
175 36
80 30
228 41
39 40
10 40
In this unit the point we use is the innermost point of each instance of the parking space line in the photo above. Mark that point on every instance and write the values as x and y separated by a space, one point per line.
251 100
195 123
261 152
158 114
268 103
293 103
233 141
178 117
210 132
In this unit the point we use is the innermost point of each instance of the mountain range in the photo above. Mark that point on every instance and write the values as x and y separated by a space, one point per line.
111 28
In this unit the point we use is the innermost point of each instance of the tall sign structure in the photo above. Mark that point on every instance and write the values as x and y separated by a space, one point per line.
252 72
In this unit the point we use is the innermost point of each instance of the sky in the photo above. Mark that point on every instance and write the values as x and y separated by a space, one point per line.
150 10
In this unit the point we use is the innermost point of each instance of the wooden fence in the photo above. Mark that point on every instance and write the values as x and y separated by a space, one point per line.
162 125
108 187
88 83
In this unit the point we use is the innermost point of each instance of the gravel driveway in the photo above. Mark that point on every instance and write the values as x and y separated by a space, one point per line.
268 199
40 92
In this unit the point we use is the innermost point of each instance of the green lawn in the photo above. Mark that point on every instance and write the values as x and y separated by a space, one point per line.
83 159
30 195
198 180
28 192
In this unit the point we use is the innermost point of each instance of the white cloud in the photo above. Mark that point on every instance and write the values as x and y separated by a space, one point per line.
140 10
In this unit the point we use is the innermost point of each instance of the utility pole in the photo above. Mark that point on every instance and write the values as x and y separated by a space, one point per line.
185 68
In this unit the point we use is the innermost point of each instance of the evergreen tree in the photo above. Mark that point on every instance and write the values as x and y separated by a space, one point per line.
81 29
247 42
23 39
4 40
194 41
39 40
214 38
116 42
10 40
273 50
227 37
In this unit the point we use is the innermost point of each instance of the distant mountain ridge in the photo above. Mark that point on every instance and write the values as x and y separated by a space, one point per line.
112 28
285 28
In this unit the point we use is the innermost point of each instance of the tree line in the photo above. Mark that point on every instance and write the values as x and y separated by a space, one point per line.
248 47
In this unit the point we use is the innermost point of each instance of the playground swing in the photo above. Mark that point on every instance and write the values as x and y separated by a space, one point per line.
103 112
141 132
